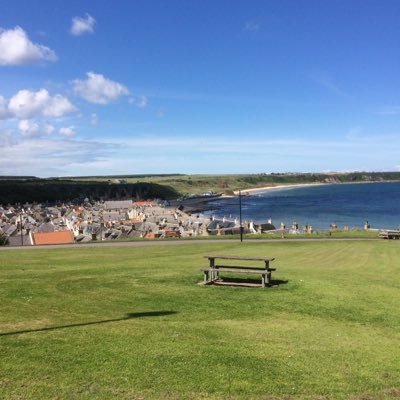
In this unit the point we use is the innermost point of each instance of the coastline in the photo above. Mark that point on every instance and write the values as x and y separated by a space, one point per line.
299 185
278 187
205 204
349 206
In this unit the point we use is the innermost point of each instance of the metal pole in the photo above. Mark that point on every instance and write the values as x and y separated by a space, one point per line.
240 216
101 225
22 238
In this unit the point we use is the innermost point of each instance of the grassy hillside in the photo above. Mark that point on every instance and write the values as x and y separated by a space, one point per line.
45 190
195 184
133 323
165 186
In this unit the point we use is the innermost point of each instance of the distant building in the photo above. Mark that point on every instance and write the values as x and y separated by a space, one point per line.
24 240
118 205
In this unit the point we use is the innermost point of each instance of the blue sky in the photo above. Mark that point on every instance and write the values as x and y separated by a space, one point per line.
198 86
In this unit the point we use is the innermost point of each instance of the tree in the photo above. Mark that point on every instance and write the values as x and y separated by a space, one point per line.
3 239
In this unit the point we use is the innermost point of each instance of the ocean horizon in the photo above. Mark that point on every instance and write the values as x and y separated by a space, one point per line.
346 205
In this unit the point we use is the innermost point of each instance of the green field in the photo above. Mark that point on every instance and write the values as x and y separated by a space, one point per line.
133 323
228 183
164 186
196 184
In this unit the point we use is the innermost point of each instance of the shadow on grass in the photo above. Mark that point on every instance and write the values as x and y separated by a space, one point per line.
106 321
247 282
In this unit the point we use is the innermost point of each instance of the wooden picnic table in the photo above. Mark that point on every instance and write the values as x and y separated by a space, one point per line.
212 273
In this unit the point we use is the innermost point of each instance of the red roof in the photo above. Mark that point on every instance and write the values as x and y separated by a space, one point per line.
62 237
144 203
151 235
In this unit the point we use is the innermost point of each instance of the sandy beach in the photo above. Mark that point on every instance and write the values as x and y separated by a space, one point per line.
278 187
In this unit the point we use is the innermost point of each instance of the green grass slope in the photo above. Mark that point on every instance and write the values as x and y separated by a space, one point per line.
227 183
133 323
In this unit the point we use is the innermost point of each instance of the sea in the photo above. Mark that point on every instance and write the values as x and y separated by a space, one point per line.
346 205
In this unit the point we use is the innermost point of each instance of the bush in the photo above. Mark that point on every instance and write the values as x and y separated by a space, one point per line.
3 239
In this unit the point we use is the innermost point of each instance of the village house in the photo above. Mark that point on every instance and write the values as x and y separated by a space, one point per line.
38 224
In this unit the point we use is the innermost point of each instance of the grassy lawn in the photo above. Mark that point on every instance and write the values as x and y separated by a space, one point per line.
132 323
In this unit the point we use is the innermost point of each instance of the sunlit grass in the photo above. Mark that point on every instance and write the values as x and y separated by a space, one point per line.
132 322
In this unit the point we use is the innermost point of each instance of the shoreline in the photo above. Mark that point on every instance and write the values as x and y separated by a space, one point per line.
319 223
299 185
277 187
205 204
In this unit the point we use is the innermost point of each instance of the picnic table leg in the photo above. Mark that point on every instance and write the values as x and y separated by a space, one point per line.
216 276
205 277
269 278
263 281
212 266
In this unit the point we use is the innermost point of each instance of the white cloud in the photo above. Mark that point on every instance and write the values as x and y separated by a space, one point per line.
326 81
251 26
391 110
3 108
56 155
17 49
30 128
82 25
142 102
94 119
67 132
98 90
48 129
28 104
6 139
354 133
161 112
52 157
